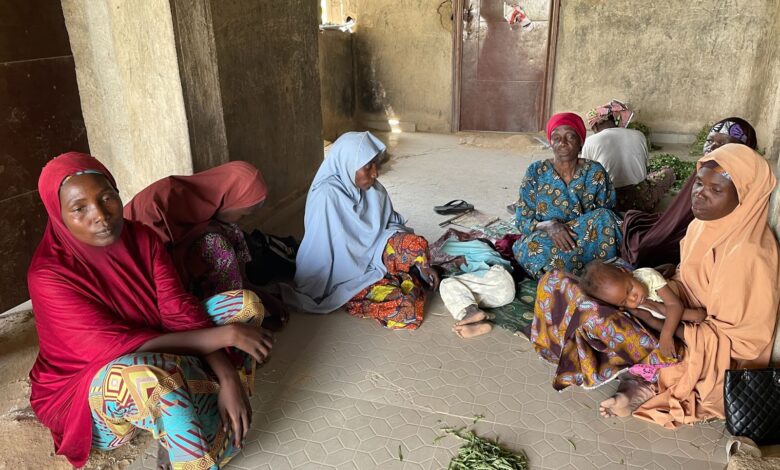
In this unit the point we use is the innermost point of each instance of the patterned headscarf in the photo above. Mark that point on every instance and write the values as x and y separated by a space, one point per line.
736 128
615 110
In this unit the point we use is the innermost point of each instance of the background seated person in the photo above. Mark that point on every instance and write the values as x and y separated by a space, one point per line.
356 251
197 217
623 153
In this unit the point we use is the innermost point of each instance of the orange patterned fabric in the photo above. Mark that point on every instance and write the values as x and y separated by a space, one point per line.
398 299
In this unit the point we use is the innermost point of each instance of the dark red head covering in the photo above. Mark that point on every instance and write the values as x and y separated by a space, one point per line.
181 208
92 305
566 119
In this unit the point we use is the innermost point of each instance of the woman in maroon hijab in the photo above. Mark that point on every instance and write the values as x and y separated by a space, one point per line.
197 218
122 345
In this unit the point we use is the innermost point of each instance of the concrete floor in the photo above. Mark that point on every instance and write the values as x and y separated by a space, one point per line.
341 392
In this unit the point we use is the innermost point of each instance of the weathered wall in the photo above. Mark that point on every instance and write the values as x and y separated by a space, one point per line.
40 117
403 60
681 64
131 93
268 75
337 83
764 99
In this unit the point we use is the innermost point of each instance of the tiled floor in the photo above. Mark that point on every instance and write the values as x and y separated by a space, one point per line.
341 392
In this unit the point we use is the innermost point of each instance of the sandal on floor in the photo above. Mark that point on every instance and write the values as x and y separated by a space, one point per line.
456 206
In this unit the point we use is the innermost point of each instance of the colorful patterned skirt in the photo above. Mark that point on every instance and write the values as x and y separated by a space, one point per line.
174 397
590 343
598 236
397 300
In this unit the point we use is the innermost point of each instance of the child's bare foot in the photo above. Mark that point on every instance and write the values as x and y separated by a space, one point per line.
472 329
472 317
631 393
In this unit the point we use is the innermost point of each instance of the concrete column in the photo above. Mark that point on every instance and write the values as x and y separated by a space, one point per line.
130 87
198 66
172 86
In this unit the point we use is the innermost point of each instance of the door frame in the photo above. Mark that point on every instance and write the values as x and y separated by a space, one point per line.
457 61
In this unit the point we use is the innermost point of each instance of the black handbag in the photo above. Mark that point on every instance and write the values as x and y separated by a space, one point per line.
273 258
752 402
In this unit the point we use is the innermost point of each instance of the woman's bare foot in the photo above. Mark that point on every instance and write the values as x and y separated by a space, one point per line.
277 315
472 329
631 393
163 459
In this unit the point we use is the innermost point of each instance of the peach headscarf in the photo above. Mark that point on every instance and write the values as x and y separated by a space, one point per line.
731 267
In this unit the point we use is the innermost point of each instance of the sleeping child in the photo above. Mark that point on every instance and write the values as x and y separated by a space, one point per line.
643 288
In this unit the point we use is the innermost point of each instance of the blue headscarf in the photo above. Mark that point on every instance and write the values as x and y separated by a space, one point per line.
346 229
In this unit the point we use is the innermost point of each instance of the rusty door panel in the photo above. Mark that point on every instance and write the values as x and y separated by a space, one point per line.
502 68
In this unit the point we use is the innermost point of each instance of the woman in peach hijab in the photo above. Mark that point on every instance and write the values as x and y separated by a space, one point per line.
729 269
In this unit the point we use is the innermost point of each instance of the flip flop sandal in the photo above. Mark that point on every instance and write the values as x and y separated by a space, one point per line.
455 206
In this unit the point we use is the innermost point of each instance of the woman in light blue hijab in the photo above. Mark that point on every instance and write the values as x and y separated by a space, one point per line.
356 251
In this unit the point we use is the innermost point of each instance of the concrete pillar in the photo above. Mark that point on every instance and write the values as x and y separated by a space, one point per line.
172 86
131 91
198 66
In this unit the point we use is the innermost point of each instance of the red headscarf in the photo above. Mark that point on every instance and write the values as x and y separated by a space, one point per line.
92 305
566 119
181 208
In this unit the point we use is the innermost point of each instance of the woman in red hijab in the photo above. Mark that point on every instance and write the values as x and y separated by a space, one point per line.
196 216
122 345
565 206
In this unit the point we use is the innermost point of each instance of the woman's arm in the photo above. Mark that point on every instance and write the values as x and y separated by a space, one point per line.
254 341
673 311
525 212
232 402
601 188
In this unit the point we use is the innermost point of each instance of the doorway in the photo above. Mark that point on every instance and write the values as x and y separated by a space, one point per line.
502 73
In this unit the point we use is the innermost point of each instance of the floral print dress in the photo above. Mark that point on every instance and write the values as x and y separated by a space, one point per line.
216 260
584 205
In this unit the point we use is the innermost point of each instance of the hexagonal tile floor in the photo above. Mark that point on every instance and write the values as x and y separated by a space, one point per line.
341 392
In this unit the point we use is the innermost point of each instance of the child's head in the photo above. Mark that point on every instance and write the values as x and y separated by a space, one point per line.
611 284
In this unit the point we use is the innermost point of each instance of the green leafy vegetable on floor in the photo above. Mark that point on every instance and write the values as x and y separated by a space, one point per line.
478 453
644 129
400 454
478 418
572 443
682 169
697 147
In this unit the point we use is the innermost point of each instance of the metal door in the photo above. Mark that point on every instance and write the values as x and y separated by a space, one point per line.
503 68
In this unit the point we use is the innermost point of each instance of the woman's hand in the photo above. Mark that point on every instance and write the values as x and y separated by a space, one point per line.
666 346
257 342
430 276
561 234
234 409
